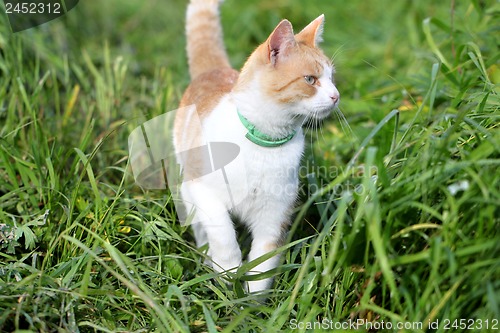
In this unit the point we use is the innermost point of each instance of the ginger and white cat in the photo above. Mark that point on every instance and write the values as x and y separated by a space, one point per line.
261 109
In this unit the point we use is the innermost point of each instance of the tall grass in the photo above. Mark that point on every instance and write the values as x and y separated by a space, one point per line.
399 220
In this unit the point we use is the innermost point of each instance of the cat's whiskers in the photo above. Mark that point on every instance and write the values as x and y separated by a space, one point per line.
313 127
316 129
344 124
295 116
321 131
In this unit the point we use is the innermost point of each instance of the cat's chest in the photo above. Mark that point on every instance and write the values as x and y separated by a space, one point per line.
263 168
268 166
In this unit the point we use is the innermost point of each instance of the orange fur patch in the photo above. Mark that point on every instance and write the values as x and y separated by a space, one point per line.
207 89
270 247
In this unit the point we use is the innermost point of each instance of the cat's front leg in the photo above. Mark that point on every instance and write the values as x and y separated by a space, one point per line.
267 237
261 247
223 252
212 224
223 248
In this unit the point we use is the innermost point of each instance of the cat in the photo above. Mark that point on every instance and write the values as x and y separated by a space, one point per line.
286 81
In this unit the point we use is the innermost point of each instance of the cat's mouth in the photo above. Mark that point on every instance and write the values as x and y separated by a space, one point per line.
322 113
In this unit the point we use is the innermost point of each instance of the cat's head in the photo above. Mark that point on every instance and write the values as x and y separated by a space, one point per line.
292 71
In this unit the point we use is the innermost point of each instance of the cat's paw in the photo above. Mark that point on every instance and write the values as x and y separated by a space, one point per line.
221 266
227 270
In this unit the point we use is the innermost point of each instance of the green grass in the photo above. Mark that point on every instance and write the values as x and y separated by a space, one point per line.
404 226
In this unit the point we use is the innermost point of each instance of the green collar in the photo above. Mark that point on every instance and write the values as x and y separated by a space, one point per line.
260 138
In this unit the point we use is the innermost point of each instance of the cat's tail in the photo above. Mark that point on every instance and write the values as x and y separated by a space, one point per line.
205 46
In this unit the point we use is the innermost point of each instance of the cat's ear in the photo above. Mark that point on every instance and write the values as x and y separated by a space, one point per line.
280 41
312 34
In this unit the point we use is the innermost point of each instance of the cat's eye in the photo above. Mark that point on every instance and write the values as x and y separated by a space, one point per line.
310 79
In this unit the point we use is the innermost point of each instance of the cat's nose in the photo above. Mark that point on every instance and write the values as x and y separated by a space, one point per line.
335 98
